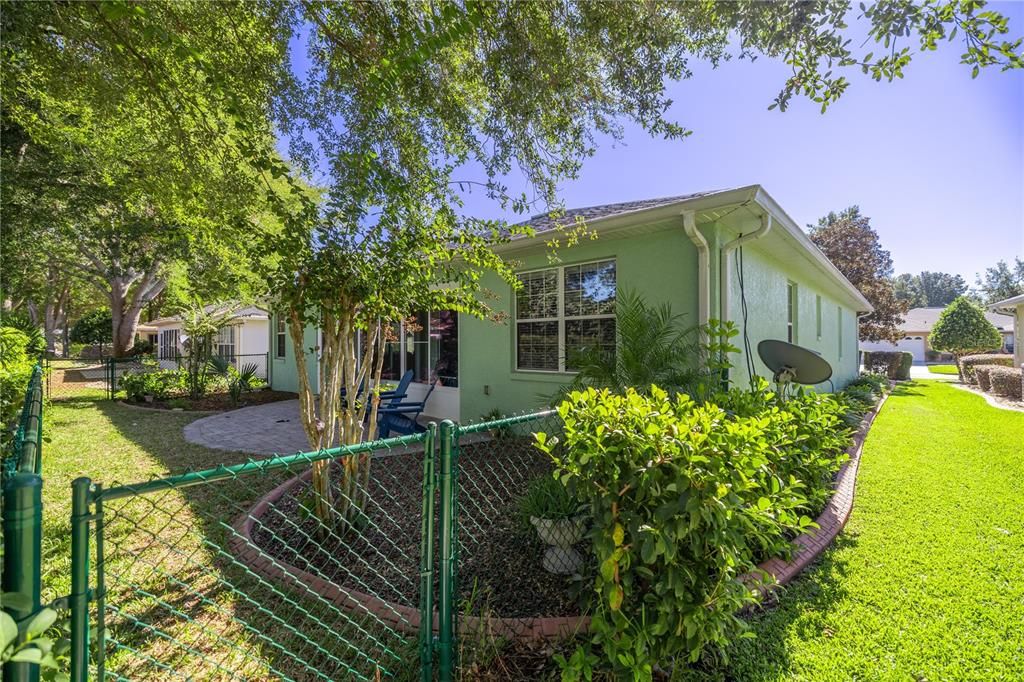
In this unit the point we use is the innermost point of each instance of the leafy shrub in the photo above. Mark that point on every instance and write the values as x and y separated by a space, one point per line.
903 369
962 328
36 344
1006 381
883 362
878 383
982 378
969 362
95 327
548 498
161 385
15 372
237 381
685 499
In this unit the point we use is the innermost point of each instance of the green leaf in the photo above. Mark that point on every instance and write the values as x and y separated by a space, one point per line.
8 630
41 622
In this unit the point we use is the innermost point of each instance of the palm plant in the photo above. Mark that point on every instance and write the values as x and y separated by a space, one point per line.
238 380
654 347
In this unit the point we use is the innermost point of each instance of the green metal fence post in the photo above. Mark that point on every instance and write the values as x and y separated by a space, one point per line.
23 535
427 558
445 610
79 599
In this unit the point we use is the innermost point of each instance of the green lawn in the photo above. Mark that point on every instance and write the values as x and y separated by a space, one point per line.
943 369
168 565
927 580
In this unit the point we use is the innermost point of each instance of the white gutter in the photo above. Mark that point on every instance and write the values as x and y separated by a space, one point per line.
703 267
725 268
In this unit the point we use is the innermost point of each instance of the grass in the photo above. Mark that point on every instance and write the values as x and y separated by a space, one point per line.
168 563
943 369
927 580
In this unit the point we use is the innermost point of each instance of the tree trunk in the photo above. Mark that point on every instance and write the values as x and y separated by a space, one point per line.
125 309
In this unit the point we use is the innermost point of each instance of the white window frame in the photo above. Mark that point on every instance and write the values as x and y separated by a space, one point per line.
218 342
561 318
280 331
792 294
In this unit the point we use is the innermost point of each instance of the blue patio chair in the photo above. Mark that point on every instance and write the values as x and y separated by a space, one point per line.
400 417
399 391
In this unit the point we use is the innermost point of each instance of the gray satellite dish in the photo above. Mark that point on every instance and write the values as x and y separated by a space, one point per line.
789 362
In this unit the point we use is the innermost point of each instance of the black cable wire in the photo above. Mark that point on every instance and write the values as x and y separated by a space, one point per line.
743 307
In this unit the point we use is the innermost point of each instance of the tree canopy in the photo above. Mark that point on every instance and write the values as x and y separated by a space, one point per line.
1001 281
962 329
929 289
849 241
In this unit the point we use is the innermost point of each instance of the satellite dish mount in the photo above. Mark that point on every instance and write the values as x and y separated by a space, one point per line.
790 363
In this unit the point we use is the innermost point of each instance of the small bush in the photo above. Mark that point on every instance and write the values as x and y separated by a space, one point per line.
885 362
547 498
969 362
982 377
903 369
15 372
1007 381
161 385
685 499
878 383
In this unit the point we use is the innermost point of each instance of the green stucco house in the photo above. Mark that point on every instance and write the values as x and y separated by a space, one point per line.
707 254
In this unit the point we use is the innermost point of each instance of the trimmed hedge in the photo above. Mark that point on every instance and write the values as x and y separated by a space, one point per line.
981 374
969 362
903 370
1006 381
892 363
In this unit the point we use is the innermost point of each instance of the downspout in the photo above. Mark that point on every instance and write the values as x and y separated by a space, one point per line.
725 270
703 267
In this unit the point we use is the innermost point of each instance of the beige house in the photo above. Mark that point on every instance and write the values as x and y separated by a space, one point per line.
1013 307
244 340
917 325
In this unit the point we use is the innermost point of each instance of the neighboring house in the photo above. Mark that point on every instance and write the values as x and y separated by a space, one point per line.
244 339
1014 307
682 250
917 326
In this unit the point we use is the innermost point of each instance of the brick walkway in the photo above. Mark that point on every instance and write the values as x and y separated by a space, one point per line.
274 428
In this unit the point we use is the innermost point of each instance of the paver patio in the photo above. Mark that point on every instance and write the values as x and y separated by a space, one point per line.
274 428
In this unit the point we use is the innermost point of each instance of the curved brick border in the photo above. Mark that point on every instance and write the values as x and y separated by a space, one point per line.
406 618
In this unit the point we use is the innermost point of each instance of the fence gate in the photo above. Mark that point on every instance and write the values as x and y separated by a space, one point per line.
183 577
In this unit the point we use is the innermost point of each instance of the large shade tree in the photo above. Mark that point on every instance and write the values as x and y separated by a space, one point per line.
399 105
853 246
929 289
1001 281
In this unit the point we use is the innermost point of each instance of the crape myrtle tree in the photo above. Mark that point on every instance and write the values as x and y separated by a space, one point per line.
849 241
400 104
399 100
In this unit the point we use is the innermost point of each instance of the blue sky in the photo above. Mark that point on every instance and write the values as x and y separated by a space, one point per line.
936 160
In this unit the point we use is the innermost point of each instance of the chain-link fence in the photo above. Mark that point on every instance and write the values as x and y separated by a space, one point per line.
451 553
520 562
77 378
193 580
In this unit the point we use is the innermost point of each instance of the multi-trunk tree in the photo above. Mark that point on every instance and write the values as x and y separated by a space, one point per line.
394 107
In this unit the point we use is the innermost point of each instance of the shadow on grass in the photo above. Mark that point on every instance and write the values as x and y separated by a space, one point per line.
798 610
178 595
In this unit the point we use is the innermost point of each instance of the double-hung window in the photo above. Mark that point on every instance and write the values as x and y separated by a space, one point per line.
280 335
563 311
224 344
791 311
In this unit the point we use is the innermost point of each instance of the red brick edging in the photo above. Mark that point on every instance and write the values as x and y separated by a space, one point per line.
768 575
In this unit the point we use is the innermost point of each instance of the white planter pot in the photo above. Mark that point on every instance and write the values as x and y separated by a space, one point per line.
560 535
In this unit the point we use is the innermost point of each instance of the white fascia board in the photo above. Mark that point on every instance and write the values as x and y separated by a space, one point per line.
624 221
813 253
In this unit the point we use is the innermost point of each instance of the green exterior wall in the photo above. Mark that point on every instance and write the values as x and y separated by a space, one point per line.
283 376
658 261
765 279
661 264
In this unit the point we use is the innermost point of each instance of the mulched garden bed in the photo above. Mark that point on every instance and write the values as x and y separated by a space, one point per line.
217 402
500 573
